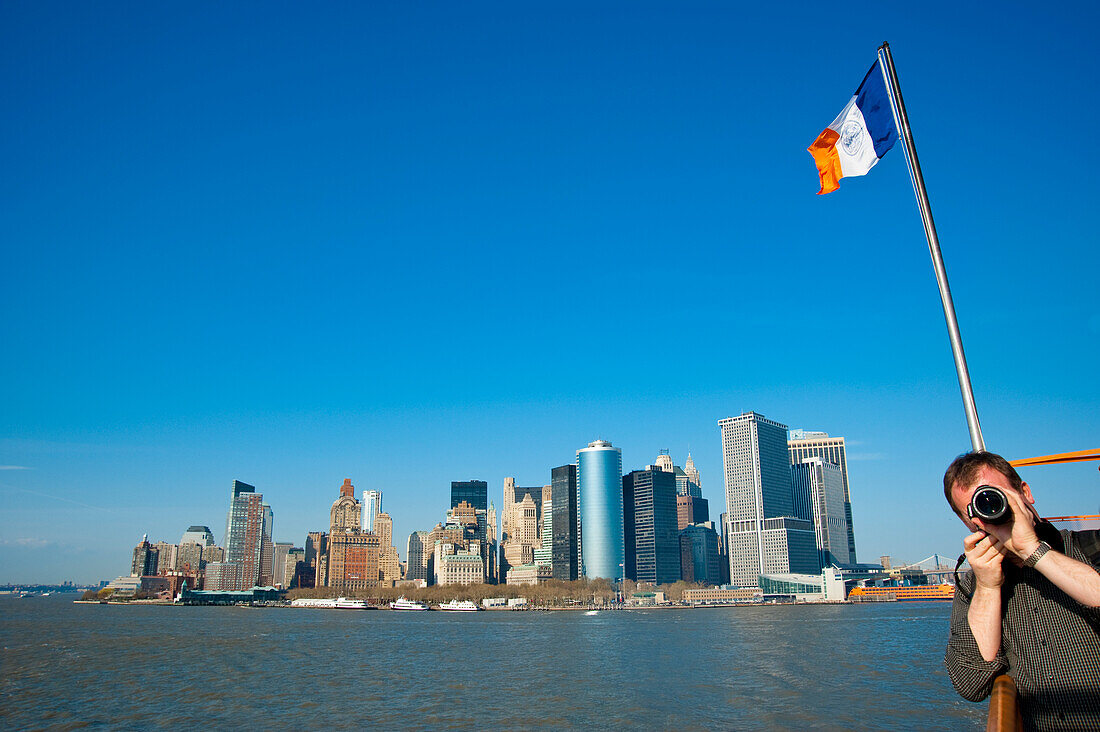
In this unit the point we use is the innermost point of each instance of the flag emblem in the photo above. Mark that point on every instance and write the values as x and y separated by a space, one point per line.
859 136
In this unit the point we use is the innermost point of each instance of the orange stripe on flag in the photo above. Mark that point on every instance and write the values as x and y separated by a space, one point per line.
828 162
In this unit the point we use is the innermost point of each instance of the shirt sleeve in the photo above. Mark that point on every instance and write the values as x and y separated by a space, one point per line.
971 674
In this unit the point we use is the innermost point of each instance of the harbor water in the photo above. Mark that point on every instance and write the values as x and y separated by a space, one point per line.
868 666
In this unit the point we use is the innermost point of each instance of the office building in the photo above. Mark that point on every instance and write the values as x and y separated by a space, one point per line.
292 569
198 535
544 552
166 557
823 484
651 539
145 559
600 504
281 558
564 522
353 558
691 510
346 512
699 552
803 444
372 506
474 492
416 556
457 566
389 563
513 496
763 530
189 558
248 536
315 559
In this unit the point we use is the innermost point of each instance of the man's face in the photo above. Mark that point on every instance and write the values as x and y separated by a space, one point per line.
962 493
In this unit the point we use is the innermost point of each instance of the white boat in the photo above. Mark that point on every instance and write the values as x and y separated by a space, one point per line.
343 603
460 606
592 612
325 602
402 604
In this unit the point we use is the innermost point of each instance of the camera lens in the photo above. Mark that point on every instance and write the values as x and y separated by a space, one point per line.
990 505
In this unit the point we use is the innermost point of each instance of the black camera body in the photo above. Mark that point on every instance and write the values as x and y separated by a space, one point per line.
990 504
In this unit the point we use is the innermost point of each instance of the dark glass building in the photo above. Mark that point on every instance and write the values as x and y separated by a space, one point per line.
563 499
650 526
474 492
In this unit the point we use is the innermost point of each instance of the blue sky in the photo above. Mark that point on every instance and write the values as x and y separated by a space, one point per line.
416 244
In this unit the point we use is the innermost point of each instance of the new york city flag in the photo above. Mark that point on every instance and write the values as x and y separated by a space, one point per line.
859 136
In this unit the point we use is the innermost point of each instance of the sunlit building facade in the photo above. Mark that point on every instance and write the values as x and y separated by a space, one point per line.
600 505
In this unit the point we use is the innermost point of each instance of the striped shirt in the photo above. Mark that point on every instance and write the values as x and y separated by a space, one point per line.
1050 645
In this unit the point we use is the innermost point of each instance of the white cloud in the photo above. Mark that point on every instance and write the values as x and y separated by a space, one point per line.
26 543
862 456
14 467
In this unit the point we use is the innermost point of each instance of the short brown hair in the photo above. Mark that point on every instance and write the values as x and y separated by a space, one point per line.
966 466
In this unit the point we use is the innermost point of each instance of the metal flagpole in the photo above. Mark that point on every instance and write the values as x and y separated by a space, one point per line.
893 88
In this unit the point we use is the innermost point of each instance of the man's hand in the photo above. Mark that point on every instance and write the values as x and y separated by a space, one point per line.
1017 537
985 554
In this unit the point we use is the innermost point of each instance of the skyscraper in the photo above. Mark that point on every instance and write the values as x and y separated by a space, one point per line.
652 543
600 504
764 534
248 535
823 482
802 444
372 506
416 556
474 492
563 499
346 512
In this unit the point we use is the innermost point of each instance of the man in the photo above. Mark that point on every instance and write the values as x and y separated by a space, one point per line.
1029 605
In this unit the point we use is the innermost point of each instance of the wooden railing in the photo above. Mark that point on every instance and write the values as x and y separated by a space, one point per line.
1004 712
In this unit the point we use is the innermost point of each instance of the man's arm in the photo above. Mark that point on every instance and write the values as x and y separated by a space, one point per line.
1077 579
985 555
971 675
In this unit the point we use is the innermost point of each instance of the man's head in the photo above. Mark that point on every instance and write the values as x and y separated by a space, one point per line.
972 470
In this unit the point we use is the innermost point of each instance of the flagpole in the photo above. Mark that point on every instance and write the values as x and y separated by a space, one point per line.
898 105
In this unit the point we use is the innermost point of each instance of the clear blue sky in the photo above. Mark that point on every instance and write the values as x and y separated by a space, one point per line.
416 243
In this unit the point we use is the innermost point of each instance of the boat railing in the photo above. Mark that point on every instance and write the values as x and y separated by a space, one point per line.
1004 710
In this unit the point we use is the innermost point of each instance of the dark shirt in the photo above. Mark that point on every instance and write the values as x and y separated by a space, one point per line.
1050 645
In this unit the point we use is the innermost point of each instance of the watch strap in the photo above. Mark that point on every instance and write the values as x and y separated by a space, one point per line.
1039 553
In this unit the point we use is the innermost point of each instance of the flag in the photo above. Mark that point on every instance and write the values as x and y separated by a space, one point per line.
859 136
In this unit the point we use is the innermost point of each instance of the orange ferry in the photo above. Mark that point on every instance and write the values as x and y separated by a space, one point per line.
902 594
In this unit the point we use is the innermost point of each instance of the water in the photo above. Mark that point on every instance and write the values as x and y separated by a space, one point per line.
872 666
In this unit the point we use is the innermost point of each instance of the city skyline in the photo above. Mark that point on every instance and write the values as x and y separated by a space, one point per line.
404 245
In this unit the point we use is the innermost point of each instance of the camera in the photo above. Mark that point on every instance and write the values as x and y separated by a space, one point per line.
990 505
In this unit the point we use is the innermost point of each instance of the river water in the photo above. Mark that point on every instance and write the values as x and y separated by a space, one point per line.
871 666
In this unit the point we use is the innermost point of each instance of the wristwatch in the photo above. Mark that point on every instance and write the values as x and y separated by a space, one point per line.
1039 553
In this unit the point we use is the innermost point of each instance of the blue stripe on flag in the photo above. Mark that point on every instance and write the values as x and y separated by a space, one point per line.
872 100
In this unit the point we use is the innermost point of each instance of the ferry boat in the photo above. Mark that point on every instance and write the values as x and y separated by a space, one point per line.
902 594
402 604
344 603
460 606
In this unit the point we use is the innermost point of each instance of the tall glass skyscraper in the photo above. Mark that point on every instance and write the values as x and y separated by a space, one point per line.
563 497
600 504
372 506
